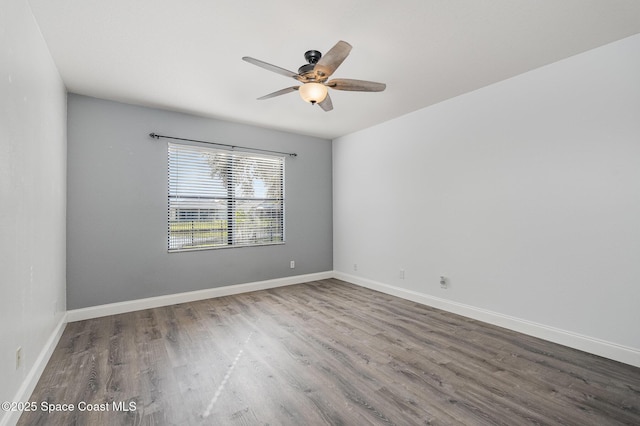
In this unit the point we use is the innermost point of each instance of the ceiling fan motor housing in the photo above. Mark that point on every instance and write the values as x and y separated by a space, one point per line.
312 57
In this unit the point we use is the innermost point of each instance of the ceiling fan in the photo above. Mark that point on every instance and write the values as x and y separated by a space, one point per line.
314 76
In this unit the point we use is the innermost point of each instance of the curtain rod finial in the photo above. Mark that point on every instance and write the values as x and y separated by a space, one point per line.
153 135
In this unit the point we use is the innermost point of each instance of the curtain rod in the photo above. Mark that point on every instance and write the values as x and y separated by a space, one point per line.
157 136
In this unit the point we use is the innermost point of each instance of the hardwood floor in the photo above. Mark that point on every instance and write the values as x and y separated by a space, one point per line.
325 352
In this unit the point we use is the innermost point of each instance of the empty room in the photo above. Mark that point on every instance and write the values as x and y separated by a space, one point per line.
337 213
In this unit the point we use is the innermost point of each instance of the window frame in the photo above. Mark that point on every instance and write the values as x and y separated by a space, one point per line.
244 213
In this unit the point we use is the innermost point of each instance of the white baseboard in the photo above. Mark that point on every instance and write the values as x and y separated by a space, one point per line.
31 380
592 345
191 296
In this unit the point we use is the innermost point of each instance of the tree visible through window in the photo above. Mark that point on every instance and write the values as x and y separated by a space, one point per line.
220 198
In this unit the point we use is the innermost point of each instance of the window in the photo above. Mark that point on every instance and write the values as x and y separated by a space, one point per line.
220 198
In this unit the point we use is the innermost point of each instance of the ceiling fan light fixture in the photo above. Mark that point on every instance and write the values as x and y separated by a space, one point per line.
313 92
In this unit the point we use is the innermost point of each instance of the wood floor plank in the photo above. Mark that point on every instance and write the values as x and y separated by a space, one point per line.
324 352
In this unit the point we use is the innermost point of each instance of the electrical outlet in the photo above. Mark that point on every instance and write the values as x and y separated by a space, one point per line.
443 281
292 264
401 274
355 266
18 357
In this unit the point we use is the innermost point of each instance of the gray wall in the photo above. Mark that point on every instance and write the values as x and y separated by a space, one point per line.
117 206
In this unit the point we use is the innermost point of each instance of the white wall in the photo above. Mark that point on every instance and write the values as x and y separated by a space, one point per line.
526 194
32 197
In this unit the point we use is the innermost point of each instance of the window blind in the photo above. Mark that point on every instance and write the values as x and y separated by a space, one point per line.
219 198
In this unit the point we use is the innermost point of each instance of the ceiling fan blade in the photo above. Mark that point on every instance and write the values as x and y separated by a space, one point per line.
271 67
326 105
332 59
279 92
356 85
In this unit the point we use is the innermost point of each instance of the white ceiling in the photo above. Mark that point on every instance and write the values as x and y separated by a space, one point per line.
186 55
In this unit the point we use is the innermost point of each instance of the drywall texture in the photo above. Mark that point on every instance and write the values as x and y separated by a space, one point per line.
117 206
32 195
525 194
